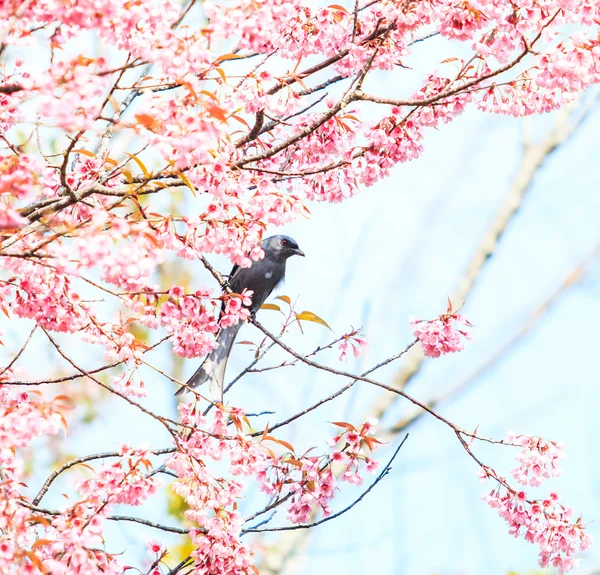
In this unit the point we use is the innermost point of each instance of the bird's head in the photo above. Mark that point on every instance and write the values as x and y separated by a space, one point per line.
280 248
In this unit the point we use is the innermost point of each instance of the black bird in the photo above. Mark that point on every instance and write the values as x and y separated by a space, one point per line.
262 278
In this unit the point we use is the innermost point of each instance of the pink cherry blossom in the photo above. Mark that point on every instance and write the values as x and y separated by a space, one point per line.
11 220
357 343
539 459
155 547
440 336
548 524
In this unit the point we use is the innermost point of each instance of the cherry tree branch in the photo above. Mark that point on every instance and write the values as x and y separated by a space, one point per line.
47 484
383 473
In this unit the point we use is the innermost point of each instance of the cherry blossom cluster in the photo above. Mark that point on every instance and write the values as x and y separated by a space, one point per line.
212 500
547 523
307 481
187 319
352 340
46 296
23 417
70 542
126 384
440 336
124 481
191 325
314 492
236 309
351 448
75 536
539 458
18 174
311 480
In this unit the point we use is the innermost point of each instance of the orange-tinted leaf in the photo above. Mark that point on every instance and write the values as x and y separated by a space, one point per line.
337 7
369 441
280 442
35 560
310 316
187 182
211 95
85 153
299 80
39 519
216 111
221 73
271 453
64 423
149 122
285 444
272 306
84 61
240 120
140 164
284 298
224 57
344 425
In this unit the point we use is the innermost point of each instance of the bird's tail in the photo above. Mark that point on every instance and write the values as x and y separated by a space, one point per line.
214 366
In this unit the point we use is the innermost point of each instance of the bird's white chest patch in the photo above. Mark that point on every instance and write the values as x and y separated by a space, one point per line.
268 275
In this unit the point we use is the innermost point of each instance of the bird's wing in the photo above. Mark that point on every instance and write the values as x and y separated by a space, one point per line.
261 277
234 269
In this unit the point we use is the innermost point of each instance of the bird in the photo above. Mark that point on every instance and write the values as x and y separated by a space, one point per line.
262 277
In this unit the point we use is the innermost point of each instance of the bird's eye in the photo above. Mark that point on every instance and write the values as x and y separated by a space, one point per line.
285 243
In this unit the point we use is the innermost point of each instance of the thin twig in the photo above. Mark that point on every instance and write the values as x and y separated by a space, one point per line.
383 473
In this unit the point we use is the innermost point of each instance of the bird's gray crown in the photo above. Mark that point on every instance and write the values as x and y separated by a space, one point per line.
280 248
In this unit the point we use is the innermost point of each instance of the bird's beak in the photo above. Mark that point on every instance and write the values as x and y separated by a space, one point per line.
299 252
